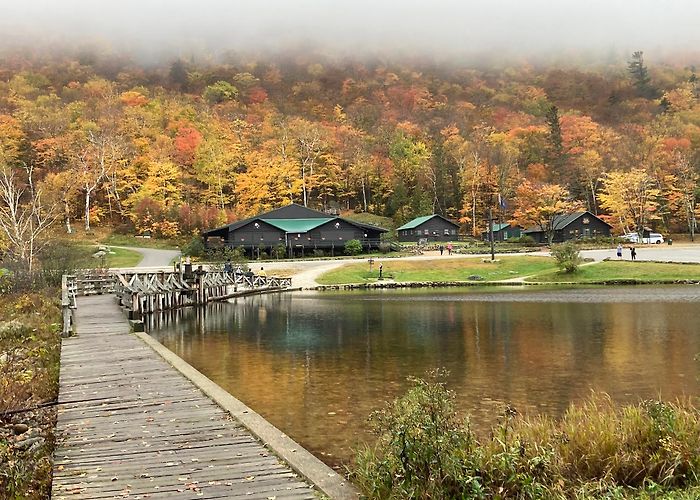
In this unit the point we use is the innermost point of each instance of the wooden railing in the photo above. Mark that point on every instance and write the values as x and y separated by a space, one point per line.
68 303
141 293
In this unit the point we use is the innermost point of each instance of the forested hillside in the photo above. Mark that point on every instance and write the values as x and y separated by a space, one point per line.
190 145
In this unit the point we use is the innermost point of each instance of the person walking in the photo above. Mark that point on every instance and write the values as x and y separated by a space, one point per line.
442 249
633 253
619 250
449 249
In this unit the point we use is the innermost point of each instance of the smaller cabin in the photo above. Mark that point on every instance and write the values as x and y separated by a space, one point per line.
574 226
503 232
427 229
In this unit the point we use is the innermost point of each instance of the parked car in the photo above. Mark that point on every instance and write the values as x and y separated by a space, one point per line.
656 238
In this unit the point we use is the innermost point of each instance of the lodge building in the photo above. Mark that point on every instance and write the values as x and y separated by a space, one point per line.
300 229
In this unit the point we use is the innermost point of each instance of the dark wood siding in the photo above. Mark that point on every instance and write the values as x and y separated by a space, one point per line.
505 234
586 226
435 228
251 236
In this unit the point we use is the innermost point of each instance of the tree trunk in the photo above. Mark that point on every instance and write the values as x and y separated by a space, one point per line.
690 209
87 210
66 211
303 184
594 201
364 194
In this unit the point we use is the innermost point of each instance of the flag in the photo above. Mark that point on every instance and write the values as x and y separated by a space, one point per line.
501 202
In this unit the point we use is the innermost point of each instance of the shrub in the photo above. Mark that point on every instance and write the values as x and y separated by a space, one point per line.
421 447
525 240
63 257
567 256
235 254
194 248
385 247
596 450
5 280
280 251
353 247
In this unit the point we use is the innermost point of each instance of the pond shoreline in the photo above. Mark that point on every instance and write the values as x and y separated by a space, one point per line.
449 284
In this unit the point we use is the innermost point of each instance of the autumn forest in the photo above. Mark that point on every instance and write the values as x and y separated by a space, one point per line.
191 144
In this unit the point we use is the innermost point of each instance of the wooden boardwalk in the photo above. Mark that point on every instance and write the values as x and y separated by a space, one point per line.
131 426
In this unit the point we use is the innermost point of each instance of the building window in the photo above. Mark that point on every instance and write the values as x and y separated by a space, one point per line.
505 235
447 232
426 232
454 231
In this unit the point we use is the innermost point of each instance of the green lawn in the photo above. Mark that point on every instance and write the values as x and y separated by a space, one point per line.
438 270
131 241
624 271
121 257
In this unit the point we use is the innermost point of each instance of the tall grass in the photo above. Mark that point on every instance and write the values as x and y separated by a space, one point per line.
597 449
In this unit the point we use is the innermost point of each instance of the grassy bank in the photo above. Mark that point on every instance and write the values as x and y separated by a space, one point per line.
132 241
439 270
107 236
533 269
641 271
29 366
121 257
596 450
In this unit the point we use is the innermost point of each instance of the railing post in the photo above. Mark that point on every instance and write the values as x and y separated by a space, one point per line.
67 306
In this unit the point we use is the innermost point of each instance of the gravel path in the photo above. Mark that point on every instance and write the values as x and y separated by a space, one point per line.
663 253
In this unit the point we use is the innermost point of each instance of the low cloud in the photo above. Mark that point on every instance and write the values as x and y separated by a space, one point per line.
439 28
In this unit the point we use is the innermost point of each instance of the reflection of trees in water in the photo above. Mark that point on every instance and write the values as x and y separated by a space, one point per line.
297 358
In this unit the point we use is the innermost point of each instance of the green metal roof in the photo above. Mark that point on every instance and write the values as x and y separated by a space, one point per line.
415 222
296 225
498 227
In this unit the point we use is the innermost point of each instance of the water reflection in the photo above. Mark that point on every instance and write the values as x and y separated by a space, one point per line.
316 364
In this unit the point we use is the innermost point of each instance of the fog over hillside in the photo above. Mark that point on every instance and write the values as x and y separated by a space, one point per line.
441 29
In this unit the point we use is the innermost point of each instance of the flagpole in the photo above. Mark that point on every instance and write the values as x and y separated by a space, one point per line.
493 253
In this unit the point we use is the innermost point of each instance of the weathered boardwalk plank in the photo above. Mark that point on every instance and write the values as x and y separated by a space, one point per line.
131 426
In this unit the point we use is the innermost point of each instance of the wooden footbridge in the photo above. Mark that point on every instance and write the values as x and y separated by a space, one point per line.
135 421
148 292
143 293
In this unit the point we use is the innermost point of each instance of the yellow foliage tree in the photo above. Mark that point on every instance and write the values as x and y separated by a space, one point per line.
631 197
267 183
540 205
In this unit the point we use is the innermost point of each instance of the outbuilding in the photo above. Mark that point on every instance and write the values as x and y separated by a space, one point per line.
298 229
503 232
428 228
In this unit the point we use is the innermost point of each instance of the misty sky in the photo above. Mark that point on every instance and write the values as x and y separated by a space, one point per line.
357 26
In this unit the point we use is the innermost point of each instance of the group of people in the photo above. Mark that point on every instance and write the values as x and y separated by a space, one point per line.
449 249
228 268
633 252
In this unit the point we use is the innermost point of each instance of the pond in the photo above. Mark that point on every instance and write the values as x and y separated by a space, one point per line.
316 364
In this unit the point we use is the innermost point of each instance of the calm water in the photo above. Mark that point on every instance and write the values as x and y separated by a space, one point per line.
316 364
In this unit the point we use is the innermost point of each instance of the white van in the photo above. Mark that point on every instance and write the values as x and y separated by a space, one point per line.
652 238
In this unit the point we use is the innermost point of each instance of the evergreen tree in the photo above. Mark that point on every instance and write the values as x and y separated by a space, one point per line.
556 145
640 75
